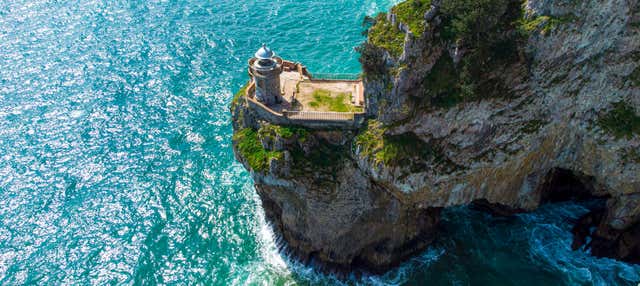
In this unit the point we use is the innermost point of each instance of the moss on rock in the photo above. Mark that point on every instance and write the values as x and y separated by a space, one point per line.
544 24
621 121
285 132
251 149
411 13
405 149
385 35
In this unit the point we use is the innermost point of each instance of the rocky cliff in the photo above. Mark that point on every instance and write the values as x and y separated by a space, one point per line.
501 103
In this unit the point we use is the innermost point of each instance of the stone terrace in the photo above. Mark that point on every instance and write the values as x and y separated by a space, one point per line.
311 102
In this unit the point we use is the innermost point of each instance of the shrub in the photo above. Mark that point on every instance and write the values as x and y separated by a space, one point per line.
442 84
486 31
392 150
385 35
411 13
532 126
621 121
286 132
371 59
472 20
252 151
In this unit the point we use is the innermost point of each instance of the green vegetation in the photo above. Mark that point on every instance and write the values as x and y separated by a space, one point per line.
545 24
532 126
411 13
324 157
492 34
239 117
385 35
621 121
474 20
393 150
370 140
252 151
338 103
485 30
372 60
286 132
442 84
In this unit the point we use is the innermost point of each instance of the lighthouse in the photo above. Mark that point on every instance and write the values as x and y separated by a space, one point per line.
265 68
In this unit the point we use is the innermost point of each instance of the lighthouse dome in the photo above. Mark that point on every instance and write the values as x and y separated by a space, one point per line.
264 53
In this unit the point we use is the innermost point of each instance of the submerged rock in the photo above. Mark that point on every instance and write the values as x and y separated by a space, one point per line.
592 233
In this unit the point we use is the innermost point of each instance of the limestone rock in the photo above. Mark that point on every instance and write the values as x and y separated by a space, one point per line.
336 203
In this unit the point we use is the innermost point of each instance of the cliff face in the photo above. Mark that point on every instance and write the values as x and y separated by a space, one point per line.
495 112
323 205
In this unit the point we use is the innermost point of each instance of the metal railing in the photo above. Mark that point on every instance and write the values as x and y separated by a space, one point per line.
319 115
336 76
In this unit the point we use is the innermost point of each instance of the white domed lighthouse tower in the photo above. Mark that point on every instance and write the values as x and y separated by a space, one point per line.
265 68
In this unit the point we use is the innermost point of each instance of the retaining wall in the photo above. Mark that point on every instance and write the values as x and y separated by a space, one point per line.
308 119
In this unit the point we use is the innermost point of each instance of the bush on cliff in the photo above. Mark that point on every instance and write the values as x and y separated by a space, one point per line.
621 121
411 13
285 132
486 32
251 149
405 149
386 35
372 60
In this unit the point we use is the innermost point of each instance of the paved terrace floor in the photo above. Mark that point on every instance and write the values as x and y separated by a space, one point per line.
299 93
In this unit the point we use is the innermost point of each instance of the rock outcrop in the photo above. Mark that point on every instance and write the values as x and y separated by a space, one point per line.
454 123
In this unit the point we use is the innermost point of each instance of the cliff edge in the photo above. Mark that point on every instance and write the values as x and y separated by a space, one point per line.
501 103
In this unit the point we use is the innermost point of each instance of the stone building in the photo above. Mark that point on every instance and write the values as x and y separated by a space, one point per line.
265 68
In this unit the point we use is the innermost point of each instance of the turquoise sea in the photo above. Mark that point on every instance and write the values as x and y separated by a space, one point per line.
116 164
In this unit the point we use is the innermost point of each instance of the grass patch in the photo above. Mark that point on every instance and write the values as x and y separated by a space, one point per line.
621 121
286 132
393 150
338 103
544 24
385 35
251 150
411 13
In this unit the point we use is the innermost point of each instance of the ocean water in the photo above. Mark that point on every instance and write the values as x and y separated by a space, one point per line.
116 164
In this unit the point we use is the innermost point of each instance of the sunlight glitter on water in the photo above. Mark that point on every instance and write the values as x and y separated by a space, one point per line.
116 163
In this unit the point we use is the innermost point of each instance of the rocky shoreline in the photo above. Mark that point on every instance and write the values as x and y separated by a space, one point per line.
553 117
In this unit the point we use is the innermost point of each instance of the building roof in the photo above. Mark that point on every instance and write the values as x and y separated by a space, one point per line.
264 53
